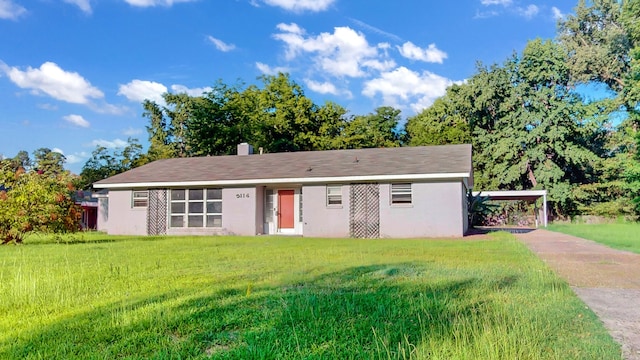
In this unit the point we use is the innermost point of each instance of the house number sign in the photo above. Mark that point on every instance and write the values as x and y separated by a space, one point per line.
242 196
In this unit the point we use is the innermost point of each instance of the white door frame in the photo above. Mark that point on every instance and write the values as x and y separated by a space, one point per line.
272 226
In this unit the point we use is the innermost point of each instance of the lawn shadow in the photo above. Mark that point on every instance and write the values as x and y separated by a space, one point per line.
483 230
359 312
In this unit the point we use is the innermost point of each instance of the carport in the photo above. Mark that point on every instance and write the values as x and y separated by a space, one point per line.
521 195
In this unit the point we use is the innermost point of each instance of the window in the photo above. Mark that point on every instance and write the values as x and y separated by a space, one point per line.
334 195
140 199
401 193
196 208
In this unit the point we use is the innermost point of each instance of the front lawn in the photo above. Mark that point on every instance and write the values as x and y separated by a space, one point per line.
289 298
624 236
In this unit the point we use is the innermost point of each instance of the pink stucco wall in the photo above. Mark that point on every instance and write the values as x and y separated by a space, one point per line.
123 218
320 220
435 212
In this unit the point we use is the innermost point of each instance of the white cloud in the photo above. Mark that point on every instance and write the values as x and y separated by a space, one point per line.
116 143
528 12
221 45
301 5
496 2
58 150
326 88
557 14
266 69
343 53
77 120
84 5
106 108
290 28
485 14
179 89
47 106
140 90
403 86
151 3
76 158
431 54
376 30
10 10
53 81
130 131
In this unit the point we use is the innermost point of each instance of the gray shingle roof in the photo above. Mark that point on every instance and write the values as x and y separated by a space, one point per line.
443 159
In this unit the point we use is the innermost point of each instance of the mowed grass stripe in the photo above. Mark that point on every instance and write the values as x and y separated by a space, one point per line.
289 298
623 236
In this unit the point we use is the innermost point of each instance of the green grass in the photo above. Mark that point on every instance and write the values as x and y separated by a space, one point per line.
623 236
107 297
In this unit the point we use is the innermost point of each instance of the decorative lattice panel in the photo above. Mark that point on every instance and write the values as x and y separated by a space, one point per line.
157 212
364 210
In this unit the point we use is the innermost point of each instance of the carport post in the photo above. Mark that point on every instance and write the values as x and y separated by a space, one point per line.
544 208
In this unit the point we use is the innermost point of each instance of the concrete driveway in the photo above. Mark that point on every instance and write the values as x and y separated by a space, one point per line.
607 280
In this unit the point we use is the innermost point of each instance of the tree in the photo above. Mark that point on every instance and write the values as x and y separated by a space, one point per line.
528 127
221 119
48 162
36 202
161 145
603 39
276 117
379 129
445 122
104 162
597 43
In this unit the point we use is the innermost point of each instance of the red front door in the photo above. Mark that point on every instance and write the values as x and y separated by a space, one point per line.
285 209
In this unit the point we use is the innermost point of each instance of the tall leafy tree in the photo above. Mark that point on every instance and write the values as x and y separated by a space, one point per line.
528 126
602 40
161 145
445 122
48 162
104 162
597 43
378 129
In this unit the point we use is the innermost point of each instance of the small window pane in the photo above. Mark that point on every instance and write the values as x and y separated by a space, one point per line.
214 194
195 194
140 198
334 195
177 194
177 221
401 199
401 193
195 221
177 208
139 202
195 208
214 220
214 207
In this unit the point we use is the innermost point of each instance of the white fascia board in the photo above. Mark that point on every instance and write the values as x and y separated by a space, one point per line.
511 193
365 178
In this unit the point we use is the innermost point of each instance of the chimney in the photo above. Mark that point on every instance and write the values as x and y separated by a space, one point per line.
245 149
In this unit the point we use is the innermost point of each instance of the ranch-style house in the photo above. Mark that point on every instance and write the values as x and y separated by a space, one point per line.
399 192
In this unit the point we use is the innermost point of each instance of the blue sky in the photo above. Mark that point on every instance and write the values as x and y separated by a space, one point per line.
73 73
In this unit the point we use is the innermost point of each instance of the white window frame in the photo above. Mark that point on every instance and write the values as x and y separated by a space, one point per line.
334 198
401 194
205 214
140 199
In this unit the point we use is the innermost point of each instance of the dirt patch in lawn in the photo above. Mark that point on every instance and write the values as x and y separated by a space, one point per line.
607 280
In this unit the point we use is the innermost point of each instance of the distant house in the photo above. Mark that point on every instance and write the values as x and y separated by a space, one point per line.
390 192
89 206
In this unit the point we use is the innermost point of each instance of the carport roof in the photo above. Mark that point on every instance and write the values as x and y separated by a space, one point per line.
526 195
